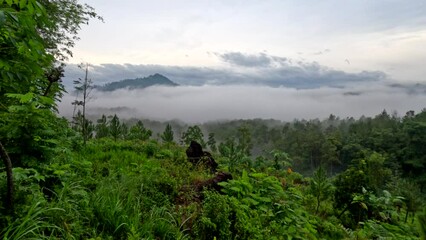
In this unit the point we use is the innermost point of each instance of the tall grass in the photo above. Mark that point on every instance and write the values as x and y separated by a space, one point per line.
422 224
116 208
76 218
33 225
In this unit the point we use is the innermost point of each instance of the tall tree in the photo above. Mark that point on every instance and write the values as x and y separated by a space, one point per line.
138 131
211 142
114 127
102 127
193 133
84 126
168 136
244 140
124 131
34 37
320 186
281 159
85 87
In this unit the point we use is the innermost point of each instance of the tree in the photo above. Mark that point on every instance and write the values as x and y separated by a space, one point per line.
84 126
124 131
414 157
349 183
101 128
84 87
193 133
138 131
34 35
20 60
411 194
377 174
233 154
281 159
168 136
211 142
365 177
114 127
320 186
244 140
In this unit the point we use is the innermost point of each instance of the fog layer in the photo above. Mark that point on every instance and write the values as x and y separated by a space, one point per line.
206 103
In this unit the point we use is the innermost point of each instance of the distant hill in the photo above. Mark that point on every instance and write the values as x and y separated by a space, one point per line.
138 83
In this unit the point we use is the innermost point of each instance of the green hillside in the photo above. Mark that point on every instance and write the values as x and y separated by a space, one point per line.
244 179
363 179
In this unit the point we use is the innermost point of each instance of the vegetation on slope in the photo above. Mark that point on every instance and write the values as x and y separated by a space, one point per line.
128 186
112 180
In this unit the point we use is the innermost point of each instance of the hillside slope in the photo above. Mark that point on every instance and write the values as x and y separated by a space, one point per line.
138 83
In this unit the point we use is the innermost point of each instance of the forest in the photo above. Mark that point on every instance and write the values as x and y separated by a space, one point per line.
112 178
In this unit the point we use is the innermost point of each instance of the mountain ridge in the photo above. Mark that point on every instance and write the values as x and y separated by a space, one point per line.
137 83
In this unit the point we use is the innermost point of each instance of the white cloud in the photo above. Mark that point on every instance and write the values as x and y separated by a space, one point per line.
206 103
259 69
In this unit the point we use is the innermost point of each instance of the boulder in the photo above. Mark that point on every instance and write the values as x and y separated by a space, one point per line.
197 156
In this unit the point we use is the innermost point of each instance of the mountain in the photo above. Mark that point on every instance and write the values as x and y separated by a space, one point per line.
138 83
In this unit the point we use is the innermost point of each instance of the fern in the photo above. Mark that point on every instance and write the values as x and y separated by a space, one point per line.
422 224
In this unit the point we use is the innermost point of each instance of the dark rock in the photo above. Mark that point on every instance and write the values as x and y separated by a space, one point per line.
197 156
194 152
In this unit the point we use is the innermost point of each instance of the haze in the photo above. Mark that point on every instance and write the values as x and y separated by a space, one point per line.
257 59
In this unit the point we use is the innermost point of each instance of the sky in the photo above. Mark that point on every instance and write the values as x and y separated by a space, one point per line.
275 49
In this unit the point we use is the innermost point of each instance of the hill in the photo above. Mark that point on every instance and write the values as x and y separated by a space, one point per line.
138 83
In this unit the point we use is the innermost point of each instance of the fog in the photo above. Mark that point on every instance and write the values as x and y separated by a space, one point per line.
238 69
197 104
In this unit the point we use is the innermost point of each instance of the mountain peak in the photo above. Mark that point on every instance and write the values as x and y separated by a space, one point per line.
157 75
138 83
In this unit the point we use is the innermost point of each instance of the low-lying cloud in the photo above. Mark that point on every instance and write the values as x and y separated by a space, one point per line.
246 60
208 103
239 69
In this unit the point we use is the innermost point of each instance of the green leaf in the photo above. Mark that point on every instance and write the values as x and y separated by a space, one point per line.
244 176
13 17
30 7
2 18
22 4
258 175
59 172
291 229
250 201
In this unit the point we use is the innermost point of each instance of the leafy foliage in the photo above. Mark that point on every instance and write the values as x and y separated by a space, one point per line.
193 133
320 186
138 131
124 185
168 136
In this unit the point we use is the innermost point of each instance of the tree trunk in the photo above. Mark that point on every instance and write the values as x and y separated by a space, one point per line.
318 204
406 216
84 105
8 164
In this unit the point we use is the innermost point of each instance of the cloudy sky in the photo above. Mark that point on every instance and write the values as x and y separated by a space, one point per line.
277 49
